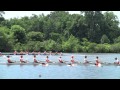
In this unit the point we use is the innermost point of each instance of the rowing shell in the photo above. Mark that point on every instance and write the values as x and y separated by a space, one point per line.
57 63
33 63
103 64
18 63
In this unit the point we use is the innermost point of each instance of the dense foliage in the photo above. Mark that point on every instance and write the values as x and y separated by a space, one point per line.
89 31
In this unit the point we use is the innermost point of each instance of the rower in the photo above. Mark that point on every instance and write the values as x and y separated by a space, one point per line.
116 61
85 60
27 52
44 53
47 60
72 59
60 60
15 52
50 52
33 52
61 53
21 59
39 53
97 62
21 53
9 61
35 60
56 53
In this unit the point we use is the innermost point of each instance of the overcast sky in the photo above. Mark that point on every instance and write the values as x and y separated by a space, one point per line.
18 14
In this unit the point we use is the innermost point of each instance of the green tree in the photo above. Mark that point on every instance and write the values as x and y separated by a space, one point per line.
6 39
104 39
94 21
117 40
54 36
71 45
19 33
35 36
111 26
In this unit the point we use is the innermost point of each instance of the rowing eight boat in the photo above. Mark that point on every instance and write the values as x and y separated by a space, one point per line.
56 63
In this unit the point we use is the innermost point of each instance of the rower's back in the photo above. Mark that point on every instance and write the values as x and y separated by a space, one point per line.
60 60
8 59
47 60
116 61
72 59
21 59
98 63
85 59
35 60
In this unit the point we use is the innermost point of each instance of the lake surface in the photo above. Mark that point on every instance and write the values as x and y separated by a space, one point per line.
62 71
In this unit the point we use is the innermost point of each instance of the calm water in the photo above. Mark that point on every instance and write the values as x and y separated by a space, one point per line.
63 71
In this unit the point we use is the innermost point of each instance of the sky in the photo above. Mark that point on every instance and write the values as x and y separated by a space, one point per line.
19 14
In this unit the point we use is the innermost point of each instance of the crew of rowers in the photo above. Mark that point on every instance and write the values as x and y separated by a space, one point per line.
39 53
97 61
21 60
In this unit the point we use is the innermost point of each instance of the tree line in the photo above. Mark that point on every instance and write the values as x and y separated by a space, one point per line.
88 31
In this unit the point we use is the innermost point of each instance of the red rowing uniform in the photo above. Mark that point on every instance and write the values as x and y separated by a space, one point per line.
35 61
47 60
60 60
9 61
98 63
72 60
21 60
